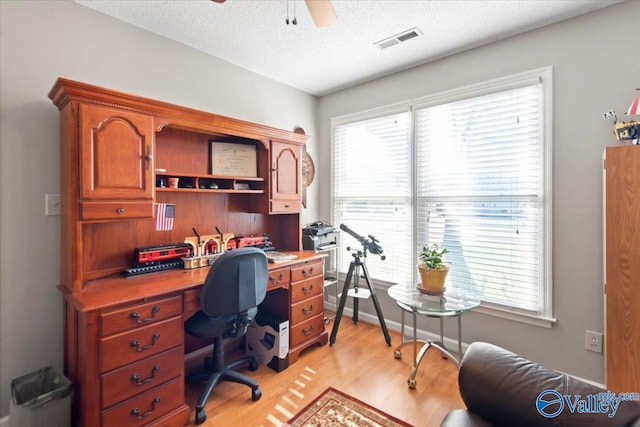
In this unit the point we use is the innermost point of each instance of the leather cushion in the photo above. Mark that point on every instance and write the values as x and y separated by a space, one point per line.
503 387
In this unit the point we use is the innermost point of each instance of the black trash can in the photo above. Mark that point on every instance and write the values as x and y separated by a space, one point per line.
41 398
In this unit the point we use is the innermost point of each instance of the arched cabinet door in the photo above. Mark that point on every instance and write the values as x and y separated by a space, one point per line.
286 178
116 163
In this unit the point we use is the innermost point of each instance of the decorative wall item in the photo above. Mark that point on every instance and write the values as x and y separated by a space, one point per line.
308 170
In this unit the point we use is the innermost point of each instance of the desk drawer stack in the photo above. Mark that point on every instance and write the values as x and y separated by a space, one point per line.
141 362
306 319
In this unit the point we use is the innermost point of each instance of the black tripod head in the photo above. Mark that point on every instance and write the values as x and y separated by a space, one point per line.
369 243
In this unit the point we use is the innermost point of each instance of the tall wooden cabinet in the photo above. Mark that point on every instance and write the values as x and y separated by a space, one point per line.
622 268
124 338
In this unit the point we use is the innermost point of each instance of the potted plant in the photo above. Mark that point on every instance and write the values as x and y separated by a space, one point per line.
433 270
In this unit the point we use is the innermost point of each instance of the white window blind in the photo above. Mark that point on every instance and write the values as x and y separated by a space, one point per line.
373 192
469 169
480 193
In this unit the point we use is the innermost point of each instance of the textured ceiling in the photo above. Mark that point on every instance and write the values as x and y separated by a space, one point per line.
253 34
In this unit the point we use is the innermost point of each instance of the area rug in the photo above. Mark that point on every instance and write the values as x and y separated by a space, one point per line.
334 408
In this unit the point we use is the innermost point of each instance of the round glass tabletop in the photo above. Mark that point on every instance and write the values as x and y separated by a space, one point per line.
453 301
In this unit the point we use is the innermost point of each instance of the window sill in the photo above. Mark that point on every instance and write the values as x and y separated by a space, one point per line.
492 310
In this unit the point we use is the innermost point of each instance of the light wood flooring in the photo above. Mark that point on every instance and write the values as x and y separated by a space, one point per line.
359 363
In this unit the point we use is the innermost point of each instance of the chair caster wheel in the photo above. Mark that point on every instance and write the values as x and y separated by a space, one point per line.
256 394
412 383
253 365
397 354
201 416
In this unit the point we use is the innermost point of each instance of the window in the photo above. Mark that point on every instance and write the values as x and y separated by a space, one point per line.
469 169
372 190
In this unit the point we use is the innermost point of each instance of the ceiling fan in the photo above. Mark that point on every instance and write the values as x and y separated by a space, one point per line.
321 11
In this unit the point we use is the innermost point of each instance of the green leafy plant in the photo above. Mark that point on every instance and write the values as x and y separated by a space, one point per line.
431 256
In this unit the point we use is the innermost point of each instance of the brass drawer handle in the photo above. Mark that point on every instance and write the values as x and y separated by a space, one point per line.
138 415
308 331
120 210
307 291
308 311
138 381
136 344
306 273
136 316
278 280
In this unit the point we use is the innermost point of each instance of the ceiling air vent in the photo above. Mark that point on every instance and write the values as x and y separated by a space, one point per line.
399 38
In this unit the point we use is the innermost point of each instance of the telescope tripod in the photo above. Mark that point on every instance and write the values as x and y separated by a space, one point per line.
354 268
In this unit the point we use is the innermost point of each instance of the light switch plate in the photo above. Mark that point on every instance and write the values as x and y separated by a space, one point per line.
52 204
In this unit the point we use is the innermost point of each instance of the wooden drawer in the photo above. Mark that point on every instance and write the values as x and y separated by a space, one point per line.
122 349
279 278
306 289
306 271
286 206
306 309
191 302
306 330
139 377
116 210
140 314
146 407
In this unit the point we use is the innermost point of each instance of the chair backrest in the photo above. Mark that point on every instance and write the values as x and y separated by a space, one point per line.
237 282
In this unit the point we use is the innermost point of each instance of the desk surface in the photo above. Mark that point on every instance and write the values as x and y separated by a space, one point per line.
116 289
453 301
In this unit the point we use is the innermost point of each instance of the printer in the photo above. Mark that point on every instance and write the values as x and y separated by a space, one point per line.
318 236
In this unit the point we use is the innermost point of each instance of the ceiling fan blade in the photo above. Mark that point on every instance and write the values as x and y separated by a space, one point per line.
322 12
218 1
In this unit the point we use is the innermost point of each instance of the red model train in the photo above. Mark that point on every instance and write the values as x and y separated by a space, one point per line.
152 255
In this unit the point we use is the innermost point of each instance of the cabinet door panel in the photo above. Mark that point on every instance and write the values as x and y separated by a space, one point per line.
622 257
286 171
115 154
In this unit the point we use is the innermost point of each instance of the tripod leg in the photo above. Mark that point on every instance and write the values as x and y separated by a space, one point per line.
343 299
374 298
356 300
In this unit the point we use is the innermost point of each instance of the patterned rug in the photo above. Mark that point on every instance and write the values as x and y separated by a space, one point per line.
334 408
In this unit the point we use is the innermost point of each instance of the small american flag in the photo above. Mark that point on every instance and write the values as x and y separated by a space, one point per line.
165 213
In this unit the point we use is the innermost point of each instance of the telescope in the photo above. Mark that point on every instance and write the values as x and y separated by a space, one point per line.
355 268
370 244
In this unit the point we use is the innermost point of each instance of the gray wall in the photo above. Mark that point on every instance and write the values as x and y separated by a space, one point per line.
596 66
44 40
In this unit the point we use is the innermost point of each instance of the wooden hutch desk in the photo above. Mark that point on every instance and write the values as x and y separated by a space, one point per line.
124 337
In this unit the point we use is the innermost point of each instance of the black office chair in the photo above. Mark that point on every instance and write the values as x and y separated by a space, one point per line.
235 285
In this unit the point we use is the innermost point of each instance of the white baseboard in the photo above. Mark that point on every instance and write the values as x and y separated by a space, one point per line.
4 421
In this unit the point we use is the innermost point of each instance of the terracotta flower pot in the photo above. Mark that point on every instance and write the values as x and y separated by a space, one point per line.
432 280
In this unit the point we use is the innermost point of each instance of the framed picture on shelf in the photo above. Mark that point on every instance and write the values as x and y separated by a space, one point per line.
229 159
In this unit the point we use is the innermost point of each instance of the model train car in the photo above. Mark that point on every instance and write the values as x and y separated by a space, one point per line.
152 255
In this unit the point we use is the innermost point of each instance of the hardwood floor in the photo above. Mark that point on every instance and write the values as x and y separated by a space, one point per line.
359 363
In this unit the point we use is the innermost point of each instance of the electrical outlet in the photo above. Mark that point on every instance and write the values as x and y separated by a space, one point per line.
593 341
52 204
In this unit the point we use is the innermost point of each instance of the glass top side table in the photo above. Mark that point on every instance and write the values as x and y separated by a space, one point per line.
453 303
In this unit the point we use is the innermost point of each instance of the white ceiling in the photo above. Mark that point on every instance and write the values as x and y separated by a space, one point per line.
253 34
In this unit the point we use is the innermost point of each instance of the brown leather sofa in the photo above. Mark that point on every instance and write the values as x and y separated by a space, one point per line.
501 388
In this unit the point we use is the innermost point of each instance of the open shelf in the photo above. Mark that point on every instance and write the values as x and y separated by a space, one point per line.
210 183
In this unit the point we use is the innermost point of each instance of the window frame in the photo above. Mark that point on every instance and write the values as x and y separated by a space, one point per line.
542 75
